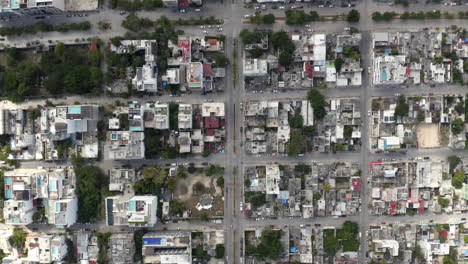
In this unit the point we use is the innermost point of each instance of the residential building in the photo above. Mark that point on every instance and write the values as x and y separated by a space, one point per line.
124 145
136 211
167 247
255 67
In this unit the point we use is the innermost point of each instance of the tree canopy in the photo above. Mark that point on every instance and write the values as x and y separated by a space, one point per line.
317 100
353 16
89 183
402 108
18 238
297 143
270 246
458 179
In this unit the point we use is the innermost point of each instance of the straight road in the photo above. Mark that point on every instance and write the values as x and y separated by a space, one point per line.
235 159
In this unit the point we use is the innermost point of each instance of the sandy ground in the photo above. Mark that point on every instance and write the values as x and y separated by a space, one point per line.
184 193
428 135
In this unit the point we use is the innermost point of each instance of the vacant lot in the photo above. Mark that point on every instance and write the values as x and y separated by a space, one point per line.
428 135
184 192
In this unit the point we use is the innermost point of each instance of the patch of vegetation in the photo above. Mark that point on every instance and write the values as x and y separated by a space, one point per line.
347 237
402 108
387 16
89 183
134 5
177 207
103 244
317 100
258 18
297 143
283 44
18 238
444 203
44 27
457 126
220 251
458 178
213 170
270 246
299 17
257 199
353 16
138 239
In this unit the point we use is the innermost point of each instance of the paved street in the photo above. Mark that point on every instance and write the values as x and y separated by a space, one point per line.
235 159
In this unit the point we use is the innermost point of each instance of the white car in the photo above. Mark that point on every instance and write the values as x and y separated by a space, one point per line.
202 27
220 29
369 113
197 10
281 7
205 32
241 206
368 69
246 16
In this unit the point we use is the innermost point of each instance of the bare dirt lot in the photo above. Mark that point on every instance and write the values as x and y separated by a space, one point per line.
428 135
184 192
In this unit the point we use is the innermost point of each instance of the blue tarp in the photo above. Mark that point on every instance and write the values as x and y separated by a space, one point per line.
293 250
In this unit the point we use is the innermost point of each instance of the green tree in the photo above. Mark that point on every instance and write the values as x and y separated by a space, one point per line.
457 126
89 183
338 64
297 121
199 187
157 175
220 59
220 181
308 131
247 183
458 179
59 49
171 183
285 58
331 245
219 251
402 108
297 143
177 207
317 100
18 238
453 162
256 52
444 203
270 246
70 257
353 16
348 131
181 172
460 107
269 19
421 116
